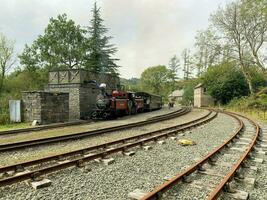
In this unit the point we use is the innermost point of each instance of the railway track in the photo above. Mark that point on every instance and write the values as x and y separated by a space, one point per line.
35 168
60 125
50 140
212 176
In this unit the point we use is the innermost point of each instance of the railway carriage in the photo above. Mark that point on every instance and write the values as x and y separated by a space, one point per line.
151 101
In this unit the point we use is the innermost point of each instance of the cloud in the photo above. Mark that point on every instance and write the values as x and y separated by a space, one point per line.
146 32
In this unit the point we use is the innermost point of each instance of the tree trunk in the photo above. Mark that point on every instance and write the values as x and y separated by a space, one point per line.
248 79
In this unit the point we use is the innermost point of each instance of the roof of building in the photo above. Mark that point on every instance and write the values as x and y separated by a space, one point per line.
177 93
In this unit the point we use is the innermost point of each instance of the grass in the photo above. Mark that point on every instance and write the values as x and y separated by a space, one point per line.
253 113
12 126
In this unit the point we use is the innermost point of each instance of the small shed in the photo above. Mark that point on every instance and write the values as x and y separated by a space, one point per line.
201 98
176 96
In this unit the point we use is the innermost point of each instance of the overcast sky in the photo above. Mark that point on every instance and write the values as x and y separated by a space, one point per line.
146 32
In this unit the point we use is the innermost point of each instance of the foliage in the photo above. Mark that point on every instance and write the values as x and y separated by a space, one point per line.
61 47
6 58
99 49
156 80
208 50
258 101
224 82
132 84
188 96
242 25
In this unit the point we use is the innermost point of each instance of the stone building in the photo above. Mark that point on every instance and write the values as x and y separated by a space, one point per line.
45 107
176 96
201 98
80 88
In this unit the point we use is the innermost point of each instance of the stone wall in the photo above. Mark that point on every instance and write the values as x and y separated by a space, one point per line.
82 98
45 107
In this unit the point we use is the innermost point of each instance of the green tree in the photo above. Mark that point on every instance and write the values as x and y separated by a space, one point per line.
188 87
99 50
224 82
7 58
242 25
61 47
156 80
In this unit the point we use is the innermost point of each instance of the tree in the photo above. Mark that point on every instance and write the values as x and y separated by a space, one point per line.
224 82
156 80
208 50
174 66
243 25
100 52
187 68
254 22
61 47
30 58
7 58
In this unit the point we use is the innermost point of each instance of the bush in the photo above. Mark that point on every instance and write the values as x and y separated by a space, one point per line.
225 82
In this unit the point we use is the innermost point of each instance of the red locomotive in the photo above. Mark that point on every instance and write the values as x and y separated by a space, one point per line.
120 103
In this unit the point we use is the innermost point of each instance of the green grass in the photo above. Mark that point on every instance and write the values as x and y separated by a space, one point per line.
13 126
252 113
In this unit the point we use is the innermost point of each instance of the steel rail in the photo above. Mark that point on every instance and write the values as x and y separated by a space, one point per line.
83 157
156 193
17 145
58 125
217 191
104 145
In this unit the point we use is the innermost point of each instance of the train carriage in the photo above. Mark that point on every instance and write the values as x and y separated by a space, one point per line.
151 101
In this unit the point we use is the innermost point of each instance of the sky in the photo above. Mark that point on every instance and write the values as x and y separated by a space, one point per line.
146 32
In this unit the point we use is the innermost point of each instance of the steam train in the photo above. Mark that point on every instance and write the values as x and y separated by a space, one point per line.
120 103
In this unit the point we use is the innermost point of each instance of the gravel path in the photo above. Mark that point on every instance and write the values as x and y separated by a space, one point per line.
4 139
145 170
12 157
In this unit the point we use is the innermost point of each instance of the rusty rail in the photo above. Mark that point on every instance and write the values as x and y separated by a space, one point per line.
85 158
17 145
217 191
162 188
58 125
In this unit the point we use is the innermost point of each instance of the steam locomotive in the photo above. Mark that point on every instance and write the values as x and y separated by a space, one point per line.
121 102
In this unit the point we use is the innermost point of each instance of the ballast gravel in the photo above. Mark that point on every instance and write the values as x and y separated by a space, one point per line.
260 189
13 157
5 139
145 170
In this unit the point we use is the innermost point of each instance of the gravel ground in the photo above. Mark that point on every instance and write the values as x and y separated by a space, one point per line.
12 157
260 189
182 191
145 170
4 139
